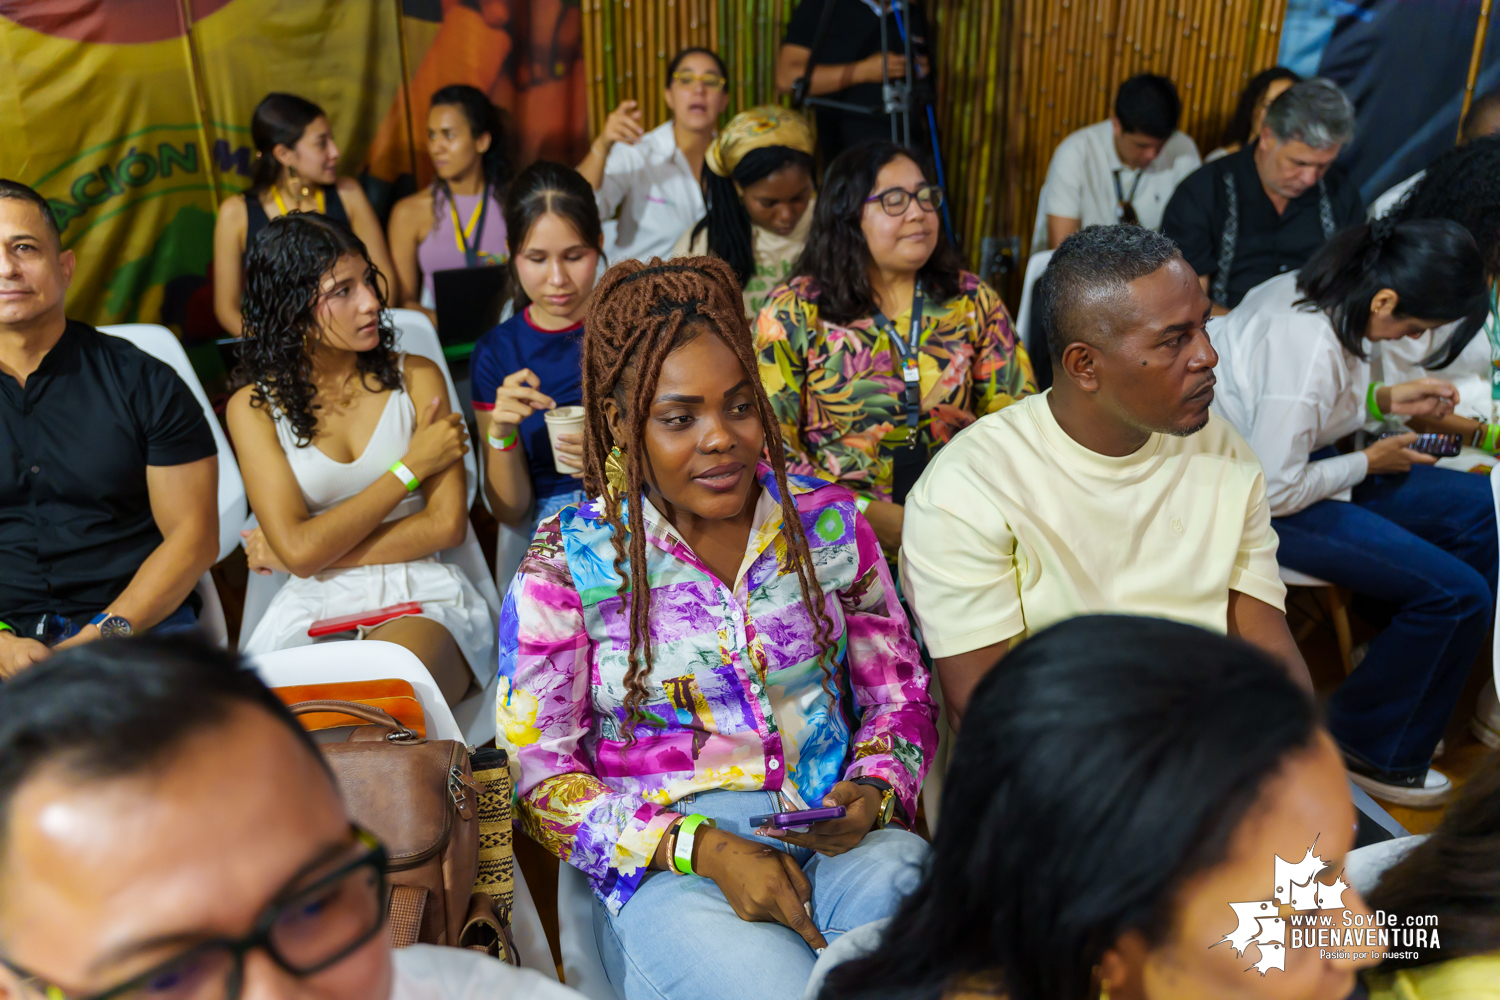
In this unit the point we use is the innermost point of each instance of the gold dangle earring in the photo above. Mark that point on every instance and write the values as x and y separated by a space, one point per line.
303 191
616 476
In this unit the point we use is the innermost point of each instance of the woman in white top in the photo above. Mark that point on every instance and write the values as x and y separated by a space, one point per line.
353 459
759 191
1294 379
653 178
1463 185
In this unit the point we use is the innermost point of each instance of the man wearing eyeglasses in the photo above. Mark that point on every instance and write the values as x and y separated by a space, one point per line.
1121 170
169 832
655 179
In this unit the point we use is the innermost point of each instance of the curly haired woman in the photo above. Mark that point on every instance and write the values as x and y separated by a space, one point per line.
707 641
358 475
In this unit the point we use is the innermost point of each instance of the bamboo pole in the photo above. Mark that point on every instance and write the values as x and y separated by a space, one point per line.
1480 31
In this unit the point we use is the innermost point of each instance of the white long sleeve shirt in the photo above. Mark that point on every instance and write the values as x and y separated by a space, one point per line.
654 188
1289 387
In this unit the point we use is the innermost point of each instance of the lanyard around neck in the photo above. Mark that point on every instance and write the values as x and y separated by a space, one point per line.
1120 192
907 350
281 205
461 233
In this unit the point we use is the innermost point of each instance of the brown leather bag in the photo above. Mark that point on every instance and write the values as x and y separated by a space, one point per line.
419 797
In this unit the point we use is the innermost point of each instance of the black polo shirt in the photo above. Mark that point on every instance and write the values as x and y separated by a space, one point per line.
75 514
854 34
1269 244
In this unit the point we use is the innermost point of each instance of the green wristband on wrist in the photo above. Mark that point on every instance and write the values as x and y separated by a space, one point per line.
687 833
408 479
5 627
1488 438
862 504
1372 407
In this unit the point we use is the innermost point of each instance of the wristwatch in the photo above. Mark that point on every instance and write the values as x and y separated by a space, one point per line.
887 800
110 626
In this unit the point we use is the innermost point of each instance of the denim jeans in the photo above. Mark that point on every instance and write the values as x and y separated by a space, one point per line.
678 939
544 507
1423 543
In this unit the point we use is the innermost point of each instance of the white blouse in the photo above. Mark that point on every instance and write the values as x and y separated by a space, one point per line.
1289 387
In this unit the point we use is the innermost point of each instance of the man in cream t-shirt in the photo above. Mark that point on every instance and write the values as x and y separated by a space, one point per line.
1114 492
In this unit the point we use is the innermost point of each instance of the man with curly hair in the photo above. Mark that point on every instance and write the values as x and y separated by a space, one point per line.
108 469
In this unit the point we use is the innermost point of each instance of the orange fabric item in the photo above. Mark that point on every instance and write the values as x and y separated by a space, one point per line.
394 696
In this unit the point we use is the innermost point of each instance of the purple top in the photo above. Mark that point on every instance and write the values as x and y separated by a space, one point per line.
441 251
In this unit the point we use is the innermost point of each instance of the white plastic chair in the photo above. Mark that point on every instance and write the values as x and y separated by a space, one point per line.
583 970
162 344
1035 265
475 715
334 662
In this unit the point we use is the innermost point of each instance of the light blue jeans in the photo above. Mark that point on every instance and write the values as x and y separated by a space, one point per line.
545 507
679 939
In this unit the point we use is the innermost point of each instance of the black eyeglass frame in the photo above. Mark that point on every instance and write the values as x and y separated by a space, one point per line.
259 937
934 196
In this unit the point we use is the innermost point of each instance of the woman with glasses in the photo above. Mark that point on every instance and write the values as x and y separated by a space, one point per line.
654 178
881 347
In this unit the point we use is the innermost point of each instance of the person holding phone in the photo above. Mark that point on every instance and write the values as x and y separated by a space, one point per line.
1294 379
531 363
358 477
706 641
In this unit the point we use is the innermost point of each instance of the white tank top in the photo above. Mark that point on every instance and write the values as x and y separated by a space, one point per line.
326 483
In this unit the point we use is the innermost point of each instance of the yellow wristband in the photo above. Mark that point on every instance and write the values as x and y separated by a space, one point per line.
410 481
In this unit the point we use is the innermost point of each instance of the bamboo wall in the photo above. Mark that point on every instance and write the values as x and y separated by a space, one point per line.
628 43
1013 76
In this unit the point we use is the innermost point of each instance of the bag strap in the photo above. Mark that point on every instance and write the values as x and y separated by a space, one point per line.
367 713
404 914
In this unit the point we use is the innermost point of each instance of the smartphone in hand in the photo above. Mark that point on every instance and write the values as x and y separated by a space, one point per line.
796 822
1439 445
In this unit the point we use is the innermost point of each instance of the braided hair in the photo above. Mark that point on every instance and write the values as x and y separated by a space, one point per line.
728 223
640 314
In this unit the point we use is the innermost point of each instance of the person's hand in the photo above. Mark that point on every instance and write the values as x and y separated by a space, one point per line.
436 443
622 125
886 519
18 652
1422 397
570 449
1391 455
259 554
517 398
867 70
760 882
835 836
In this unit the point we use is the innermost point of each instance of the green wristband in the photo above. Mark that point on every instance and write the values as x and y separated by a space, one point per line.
408 479
5 627
1372 407
862 503
1490 439
682 855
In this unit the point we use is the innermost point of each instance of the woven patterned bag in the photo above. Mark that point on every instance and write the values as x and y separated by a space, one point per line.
488 928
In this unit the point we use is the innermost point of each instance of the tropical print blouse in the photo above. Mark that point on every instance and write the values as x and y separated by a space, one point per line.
736 697
837 390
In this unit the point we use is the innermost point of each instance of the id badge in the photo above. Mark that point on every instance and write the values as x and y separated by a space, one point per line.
910 373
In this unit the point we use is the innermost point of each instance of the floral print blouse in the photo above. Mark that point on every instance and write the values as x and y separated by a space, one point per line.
837 390
736 697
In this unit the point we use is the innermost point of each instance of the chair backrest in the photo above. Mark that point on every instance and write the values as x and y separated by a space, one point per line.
1034 341
162 344
366 660
415 334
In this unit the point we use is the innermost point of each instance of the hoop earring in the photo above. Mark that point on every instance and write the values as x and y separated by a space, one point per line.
616 476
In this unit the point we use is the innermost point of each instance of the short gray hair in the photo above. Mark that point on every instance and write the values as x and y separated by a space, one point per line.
1315 112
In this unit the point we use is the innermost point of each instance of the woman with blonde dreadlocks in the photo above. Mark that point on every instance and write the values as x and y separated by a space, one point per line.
707 642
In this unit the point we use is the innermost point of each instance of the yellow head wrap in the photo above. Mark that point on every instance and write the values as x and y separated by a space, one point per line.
757 128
